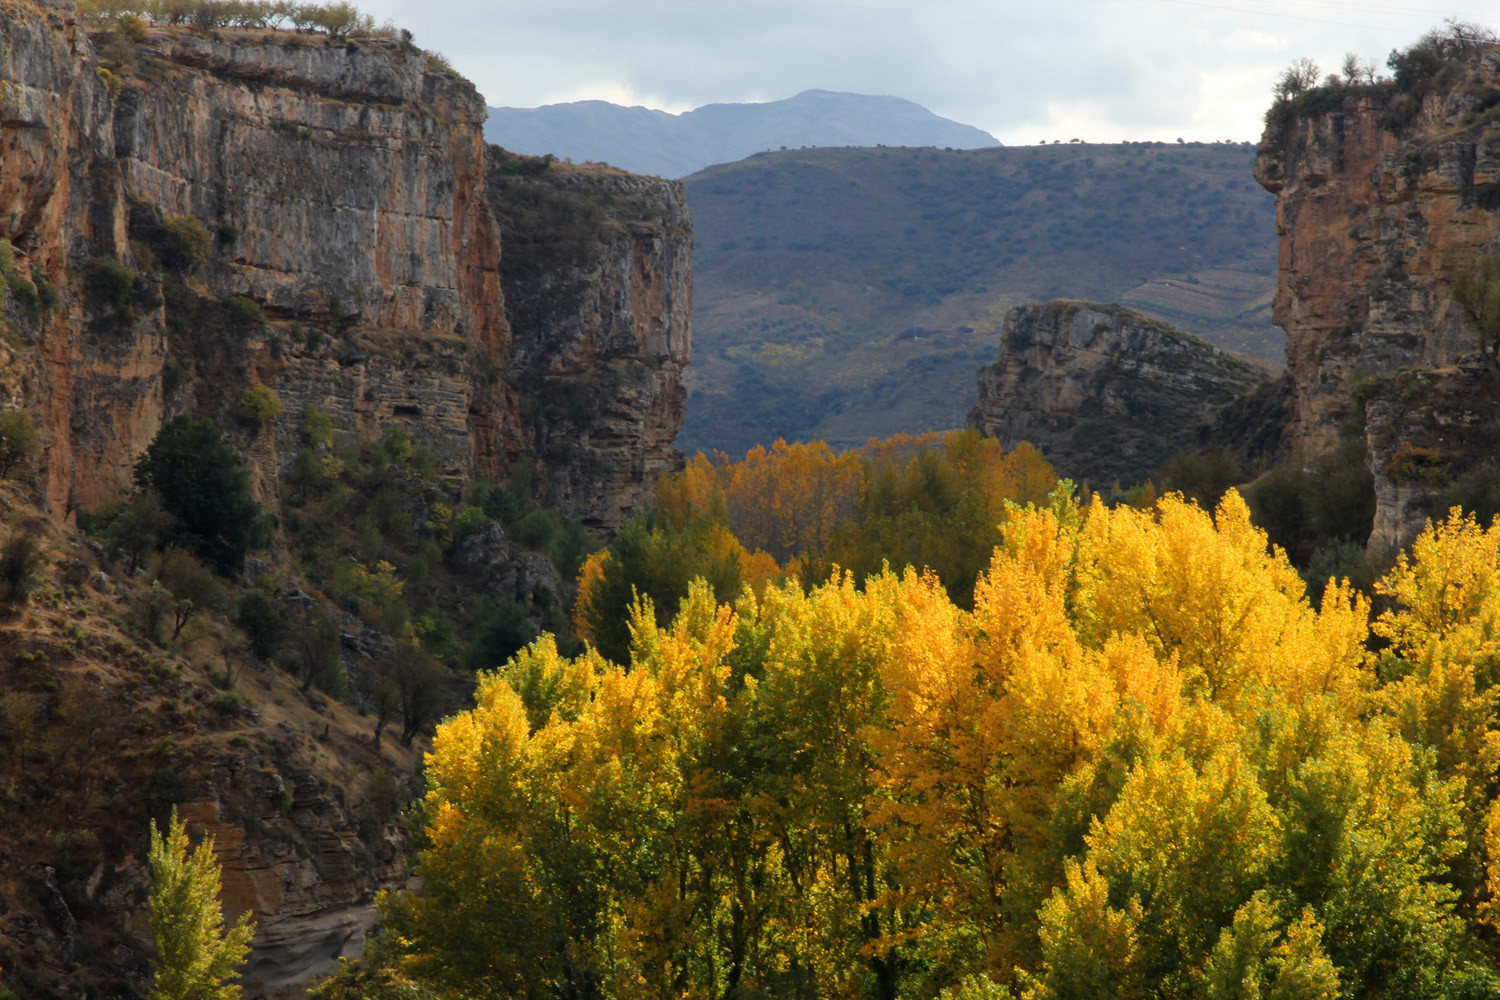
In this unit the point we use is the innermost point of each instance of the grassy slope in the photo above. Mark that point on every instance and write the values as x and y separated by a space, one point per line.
849 293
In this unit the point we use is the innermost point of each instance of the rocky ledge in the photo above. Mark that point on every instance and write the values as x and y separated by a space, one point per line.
1106 393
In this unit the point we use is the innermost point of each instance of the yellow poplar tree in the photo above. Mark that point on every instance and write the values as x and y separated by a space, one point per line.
195 958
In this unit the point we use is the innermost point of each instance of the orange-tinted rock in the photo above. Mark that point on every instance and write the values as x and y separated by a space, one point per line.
347 190
1375 223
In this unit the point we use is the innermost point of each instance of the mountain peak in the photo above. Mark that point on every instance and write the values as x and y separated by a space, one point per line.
655 142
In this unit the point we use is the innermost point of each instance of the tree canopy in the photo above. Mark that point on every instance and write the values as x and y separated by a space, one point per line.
196 959
205 490
1143 765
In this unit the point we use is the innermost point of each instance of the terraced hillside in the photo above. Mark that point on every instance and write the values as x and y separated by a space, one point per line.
848 293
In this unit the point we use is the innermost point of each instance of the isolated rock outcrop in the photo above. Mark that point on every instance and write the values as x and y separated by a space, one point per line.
1106 393
1382 198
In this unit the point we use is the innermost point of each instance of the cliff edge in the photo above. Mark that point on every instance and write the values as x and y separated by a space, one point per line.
1384 195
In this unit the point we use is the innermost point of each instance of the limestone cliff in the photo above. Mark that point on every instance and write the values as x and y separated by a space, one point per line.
343 186
191 213
350 202
1106 393
1382 197
598 286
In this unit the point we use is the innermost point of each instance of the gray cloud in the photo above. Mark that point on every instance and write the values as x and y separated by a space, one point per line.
1023 69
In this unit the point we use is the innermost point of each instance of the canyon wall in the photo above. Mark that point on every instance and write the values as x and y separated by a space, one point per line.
602 306
189 214
1383 197
354 263
1106 393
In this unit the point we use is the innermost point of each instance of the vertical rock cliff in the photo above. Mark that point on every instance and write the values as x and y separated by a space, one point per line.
598 285
1106 393
1382 198
189 214
342 186
355 263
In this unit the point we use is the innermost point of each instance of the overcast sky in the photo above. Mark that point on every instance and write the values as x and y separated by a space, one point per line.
1024 70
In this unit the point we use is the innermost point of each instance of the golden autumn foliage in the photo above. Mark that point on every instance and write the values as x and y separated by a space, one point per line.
795 512
1143 765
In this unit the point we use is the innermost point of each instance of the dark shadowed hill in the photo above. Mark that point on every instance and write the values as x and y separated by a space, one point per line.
848 293
655 142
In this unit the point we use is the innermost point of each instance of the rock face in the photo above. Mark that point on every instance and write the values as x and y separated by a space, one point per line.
602 311
1106 393
1382 198
198 213
351 215
307 877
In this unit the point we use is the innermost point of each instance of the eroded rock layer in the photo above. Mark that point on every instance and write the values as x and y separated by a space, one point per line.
1382 199
602 306
1106 393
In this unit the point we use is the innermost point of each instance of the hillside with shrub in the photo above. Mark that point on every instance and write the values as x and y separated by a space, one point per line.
843 294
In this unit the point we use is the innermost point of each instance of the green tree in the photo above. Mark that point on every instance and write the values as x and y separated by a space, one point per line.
500 629
195 958
1476 291
657 562
317 645
259 404
21 562
263 620
17 440
1297 79
193 589
140 527
185 241
205 489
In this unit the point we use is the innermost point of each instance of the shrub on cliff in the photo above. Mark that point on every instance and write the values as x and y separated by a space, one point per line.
1297 79
205 489
185 241
245 312
113 290
1298 92
259 404
1476 292
33 297
18 440
21 562
1433 58
337 19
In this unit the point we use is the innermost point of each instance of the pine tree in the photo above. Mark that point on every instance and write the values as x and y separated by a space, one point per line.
195 959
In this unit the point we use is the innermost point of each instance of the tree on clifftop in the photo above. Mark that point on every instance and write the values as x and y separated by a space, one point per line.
205 489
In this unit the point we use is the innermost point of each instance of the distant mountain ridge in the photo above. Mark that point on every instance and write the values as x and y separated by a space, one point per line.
656 142
844 294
